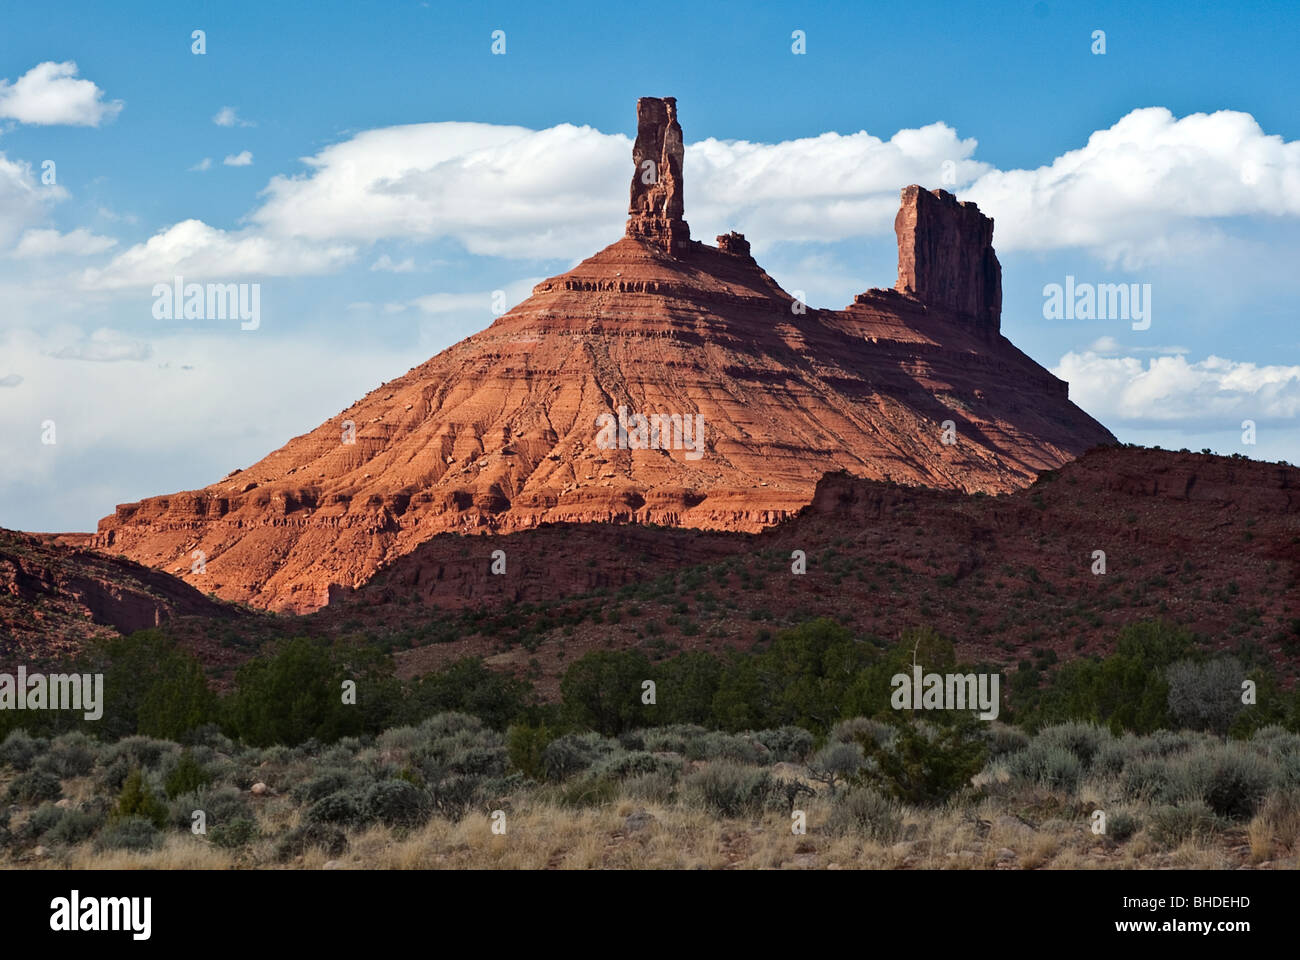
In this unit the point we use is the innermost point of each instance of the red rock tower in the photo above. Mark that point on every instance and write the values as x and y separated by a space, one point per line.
946 258
656 208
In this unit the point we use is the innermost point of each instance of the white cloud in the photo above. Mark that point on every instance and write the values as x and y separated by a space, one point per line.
23 201
104 346
229 117
386 264
204 164
10 380
242 159
195 250
1144 187
50 93
50 243
1170 389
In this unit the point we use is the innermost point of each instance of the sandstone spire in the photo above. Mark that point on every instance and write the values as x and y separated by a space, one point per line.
946 258
655 211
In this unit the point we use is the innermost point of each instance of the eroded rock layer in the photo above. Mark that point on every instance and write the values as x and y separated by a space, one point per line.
503 431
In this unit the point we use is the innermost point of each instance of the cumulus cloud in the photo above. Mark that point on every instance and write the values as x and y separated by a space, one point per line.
229 117
50 243
10 380
1171 389
104 346
51 93
242 159
195 250
23 201
1150 187
386 264
1137 184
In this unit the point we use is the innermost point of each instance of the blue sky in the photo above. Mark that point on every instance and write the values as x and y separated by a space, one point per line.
443 173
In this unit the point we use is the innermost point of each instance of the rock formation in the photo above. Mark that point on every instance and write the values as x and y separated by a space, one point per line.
655 213
538 418
946 258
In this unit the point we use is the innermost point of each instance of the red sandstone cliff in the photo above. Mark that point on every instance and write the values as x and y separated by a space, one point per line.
500 432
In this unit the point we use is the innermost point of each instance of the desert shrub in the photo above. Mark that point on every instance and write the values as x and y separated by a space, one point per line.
309 836
1205 696
836 762
137 800
564 756
1121 825
35 786
69 755
524 747
588 790
331 781
1001 739
717 745
1115 754
43 818
855 729
786 744
143 752
73 827
1278 819
454 796
234 833
1147 779
20 750
129 833
621 765
1084 740
220 805
672 738
1170 826
1047 765
1229 779
728 789
867 813
650 787
186 776
341 807
396 803
925 764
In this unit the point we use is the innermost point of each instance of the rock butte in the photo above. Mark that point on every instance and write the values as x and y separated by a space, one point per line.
498 432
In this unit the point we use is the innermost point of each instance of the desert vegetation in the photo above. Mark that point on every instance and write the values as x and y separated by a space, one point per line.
787 756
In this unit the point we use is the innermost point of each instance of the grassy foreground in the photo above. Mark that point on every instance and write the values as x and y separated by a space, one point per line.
453 793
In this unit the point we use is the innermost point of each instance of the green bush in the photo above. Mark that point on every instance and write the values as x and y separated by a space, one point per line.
70 755
342 807
1229 779
1046 765
787 744
234 834
321 836
1171 826
35 786
866 813
136 801
187 776
564 756
524 747
1083 740
20 750
729 790
396 803
926 764
129 833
